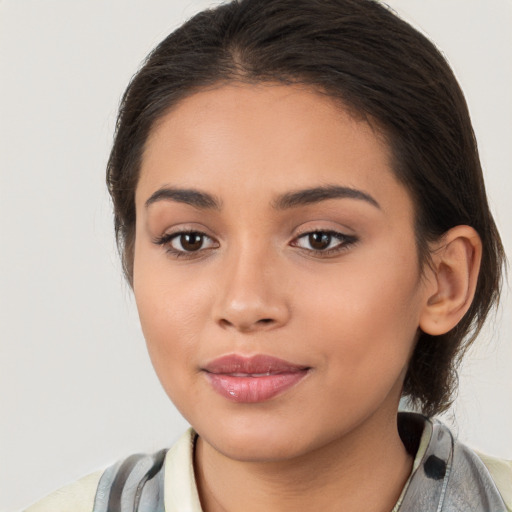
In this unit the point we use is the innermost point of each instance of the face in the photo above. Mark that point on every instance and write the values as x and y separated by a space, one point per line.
276 272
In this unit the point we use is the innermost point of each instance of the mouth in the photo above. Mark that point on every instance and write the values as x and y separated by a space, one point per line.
252 379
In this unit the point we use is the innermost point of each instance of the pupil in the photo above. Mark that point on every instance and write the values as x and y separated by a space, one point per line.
320 240
191 241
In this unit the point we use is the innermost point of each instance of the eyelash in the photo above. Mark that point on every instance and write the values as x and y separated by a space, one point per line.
345 241
167 239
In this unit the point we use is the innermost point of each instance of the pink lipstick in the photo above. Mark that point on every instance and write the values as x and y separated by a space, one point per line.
252 379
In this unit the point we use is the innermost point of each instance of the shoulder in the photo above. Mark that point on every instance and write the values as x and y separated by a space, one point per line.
501 472
146 479
162 481
452 476
78 496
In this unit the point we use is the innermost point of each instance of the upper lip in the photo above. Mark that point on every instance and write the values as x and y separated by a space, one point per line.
235 364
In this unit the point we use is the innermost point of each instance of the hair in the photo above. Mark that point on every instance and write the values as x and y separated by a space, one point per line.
379 67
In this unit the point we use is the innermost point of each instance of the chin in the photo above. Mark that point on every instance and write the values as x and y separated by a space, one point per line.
260 439
256 448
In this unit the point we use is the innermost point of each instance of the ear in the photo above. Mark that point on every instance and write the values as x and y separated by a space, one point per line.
452 282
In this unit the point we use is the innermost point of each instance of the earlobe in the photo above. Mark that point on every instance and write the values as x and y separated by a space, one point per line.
454 275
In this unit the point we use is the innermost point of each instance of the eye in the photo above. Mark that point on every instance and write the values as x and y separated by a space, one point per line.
188 242
185 242
326 242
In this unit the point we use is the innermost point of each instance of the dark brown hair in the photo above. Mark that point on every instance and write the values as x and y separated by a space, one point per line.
360 53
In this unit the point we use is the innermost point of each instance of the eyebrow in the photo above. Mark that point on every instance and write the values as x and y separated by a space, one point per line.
285 201
191 197
318 194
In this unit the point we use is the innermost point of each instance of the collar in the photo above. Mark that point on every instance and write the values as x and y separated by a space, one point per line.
446 476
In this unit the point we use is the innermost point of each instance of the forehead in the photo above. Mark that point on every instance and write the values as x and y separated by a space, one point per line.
238 138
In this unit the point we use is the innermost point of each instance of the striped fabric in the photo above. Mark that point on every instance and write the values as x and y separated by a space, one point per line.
447 476
135 484
450 476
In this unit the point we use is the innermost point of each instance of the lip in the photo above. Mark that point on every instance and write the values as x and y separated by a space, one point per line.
252 379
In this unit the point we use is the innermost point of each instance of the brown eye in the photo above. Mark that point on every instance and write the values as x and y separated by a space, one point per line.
319 240
324 243
188 242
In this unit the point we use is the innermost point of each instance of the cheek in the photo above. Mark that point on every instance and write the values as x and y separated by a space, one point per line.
171 320
366 316
172 311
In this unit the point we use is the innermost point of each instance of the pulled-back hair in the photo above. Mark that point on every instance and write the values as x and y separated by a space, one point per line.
380 68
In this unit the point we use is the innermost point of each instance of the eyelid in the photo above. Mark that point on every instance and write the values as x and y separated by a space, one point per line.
165 240
179 228
345 241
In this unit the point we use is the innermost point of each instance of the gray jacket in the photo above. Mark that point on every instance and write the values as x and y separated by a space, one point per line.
449 478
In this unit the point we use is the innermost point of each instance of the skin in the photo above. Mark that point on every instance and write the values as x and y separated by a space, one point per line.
256 285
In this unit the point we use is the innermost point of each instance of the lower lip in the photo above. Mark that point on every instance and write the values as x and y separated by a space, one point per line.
253 389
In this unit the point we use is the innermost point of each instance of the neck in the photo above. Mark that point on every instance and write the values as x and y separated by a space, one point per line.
364 470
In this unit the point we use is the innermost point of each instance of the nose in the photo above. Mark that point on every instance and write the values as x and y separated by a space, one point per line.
252 294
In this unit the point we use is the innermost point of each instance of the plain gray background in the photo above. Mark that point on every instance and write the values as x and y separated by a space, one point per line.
77 389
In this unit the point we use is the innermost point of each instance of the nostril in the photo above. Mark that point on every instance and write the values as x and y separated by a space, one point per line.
246 326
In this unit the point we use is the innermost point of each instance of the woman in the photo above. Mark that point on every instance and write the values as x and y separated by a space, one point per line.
301 214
